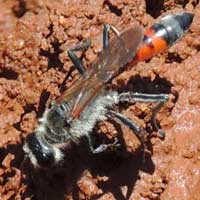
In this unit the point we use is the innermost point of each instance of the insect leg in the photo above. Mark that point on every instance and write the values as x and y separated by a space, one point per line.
106 31
103 147
139 132
129 123
133 126
85 45
160 99
73 57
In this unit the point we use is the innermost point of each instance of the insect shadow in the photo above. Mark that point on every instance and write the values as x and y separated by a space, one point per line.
56 183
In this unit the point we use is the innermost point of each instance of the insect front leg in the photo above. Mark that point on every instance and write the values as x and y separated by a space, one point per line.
73 57
103 147
160 99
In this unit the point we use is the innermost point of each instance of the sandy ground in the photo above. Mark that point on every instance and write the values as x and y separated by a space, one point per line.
35 68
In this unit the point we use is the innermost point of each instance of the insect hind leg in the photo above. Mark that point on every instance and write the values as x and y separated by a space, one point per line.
160 99
73 57
86 44
106 33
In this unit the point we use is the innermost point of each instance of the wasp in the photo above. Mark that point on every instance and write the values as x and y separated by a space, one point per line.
74 114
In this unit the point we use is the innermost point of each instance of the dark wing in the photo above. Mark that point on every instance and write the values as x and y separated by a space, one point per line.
120 51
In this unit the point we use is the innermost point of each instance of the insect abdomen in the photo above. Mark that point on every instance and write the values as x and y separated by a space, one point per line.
163 34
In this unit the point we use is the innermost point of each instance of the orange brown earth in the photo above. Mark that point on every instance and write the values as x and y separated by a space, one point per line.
34 69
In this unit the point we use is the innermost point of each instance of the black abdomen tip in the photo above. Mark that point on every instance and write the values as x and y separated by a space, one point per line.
185 19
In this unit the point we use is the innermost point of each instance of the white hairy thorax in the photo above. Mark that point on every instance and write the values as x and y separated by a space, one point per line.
82 126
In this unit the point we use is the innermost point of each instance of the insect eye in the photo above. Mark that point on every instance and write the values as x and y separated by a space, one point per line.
42 152
46 159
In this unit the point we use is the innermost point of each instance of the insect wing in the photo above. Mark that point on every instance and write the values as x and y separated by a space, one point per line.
119 52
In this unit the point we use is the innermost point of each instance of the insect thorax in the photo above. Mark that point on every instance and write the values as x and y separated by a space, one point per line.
53 125
94 112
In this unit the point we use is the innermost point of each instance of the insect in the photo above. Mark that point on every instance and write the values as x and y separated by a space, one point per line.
73 115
